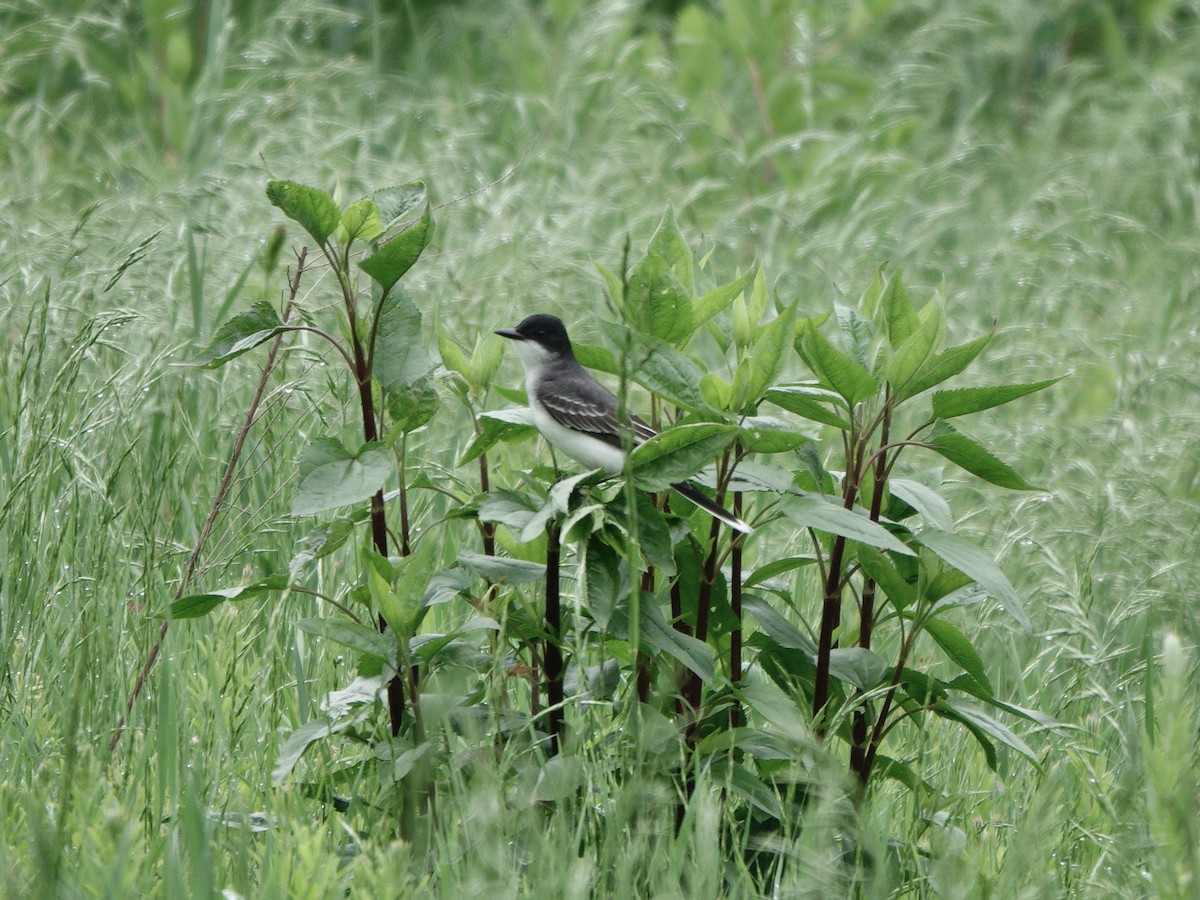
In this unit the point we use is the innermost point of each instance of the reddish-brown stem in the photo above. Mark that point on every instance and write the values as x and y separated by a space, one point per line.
735 601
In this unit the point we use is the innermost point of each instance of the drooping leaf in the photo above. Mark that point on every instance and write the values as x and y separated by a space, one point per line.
975 458
978 565
931 505
857 666
811 511
196 605
780 710
312 208
602 580
412 405
331 476
778 567
984 726
396 256
962 401
744 783
243 332
835 368
396 203
959 649
778 628
399 356
678 453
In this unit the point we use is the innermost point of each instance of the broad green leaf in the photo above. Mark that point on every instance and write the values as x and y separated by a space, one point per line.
975 458
299 741
657 635
668 244
196 605
962 401
652 363
505 425
313 209
557 503
354 635
969 685
764 434
959 649
360 221
809 402
331 476
931 505
813 512
718 299
778 709
858 333
778 628
835 369
886 767
612 284
744 783
899 316
500 568
320 542
559 778
678 453
396 203
716 391
602 581
243 332
857 666
399 357
914 351
393 258
507 508
659 303
412 405
884 573
944 365
978 565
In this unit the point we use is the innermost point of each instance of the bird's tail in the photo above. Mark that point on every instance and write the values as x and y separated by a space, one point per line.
713 509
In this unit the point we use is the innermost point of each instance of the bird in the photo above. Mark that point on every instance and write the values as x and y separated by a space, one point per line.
578 415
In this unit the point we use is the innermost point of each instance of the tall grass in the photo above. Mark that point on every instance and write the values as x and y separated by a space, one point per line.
1039 164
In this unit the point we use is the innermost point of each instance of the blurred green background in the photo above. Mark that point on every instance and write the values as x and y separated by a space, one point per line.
1039 163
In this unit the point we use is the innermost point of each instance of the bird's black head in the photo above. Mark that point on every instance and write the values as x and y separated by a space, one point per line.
544 330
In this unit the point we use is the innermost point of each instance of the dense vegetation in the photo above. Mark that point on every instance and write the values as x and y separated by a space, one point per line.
1038 167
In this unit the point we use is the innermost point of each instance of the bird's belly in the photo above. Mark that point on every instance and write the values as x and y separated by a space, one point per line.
584 449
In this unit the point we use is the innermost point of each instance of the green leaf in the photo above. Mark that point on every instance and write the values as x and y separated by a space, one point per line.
331 476
943 366
412 405
360 221
931 505
356 636
320 542
857 666
975 563
778 628
884 573
983 726
243 332
778 567
835 369
196 605
678 453
501 568
975 458
602 581
668 244
809 402
765 359
659 293
813 512
914 351
392 259
776 707
299 741
744 783
960 402
718 299
652 363
313 209
396 203
959 649
764 434
507 425
657 635
858 333
899 316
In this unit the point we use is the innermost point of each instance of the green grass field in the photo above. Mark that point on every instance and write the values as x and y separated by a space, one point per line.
1037 163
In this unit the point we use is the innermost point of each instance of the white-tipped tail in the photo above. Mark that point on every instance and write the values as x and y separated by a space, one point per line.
713 509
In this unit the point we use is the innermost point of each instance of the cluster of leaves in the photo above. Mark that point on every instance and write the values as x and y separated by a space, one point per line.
748 667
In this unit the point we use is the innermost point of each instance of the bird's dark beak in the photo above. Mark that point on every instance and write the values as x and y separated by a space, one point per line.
510 333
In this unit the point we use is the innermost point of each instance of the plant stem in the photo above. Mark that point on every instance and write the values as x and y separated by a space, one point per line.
735 601
552 656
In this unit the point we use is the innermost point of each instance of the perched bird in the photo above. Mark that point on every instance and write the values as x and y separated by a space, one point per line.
577 414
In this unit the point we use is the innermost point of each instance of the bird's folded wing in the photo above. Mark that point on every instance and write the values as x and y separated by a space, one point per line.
595 413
